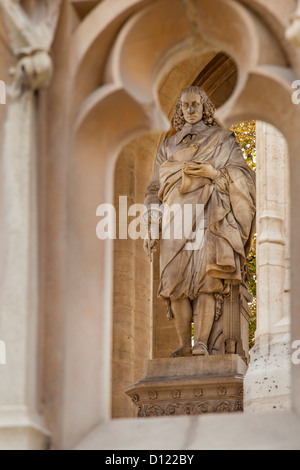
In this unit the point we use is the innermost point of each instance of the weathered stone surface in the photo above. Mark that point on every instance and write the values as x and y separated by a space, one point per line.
201 166
190 386
267 383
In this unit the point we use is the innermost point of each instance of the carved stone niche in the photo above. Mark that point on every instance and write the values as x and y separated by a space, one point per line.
190 386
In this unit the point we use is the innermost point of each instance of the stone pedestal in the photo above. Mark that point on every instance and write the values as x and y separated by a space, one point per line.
190 386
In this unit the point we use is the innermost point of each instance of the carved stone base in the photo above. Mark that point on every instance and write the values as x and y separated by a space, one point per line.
190 386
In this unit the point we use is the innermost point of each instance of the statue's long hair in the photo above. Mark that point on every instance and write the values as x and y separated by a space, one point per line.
208 109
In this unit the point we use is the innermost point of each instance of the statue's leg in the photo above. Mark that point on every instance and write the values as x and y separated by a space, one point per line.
204 314
182 310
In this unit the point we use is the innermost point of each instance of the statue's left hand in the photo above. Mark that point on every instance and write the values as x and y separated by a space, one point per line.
150 246
206 170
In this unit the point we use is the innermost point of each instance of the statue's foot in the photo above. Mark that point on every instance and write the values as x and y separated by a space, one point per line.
182 352
200 350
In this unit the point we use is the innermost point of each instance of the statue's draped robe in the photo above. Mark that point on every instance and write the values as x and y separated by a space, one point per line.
226 228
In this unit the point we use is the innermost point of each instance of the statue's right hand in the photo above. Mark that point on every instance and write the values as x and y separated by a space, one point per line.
150 246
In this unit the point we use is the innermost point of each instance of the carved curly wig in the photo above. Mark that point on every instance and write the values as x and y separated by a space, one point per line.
208 109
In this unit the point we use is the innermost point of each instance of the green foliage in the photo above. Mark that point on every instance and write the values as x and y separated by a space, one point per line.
252 288
245 133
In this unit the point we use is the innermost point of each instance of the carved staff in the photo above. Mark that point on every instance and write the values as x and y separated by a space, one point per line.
231 342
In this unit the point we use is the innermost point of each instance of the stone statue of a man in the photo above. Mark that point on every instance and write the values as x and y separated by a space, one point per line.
201 165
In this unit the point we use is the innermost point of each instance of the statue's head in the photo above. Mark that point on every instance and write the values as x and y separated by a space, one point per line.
193 105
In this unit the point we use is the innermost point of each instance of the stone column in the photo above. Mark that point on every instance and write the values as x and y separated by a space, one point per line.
145 149
21 425
165 339
268 382
124 289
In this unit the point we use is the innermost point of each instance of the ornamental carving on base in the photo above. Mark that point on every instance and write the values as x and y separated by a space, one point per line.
209 385
189 408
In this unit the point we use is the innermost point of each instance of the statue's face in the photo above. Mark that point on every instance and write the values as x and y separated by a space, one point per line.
192 107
